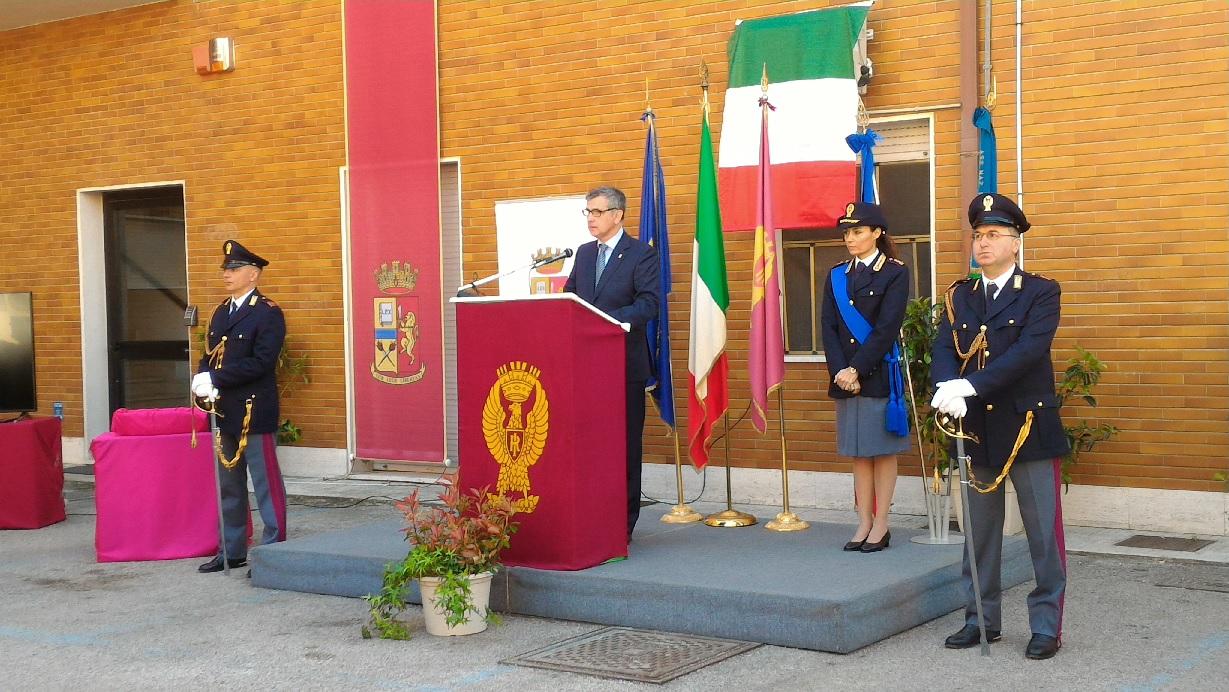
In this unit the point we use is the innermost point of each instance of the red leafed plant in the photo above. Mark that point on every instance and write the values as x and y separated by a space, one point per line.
461 536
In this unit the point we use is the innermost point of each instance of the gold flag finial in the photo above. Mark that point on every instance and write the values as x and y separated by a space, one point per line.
647 108
764 80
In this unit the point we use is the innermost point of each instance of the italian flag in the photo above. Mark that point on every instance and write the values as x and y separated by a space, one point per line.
707 365
809 59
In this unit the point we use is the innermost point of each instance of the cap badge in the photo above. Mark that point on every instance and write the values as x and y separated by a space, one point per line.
228 247
987 202
849 209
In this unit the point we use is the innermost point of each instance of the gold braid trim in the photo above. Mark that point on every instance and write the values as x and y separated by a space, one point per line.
1020 438
215 354
977 347
231 463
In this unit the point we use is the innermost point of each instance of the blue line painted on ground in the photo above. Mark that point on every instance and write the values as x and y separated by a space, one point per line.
1206 648
50 638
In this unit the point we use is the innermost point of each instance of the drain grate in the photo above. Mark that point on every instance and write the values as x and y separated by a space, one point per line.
1185 545
630 654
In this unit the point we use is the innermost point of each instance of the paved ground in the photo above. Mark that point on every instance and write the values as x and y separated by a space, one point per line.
67 622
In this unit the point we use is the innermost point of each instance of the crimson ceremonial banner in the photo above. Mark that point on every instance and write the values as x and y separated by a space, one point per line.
540 399
396 309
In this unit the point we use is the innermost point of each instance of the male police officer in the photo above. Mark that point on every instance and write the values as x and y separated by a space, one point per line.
238 372
992 364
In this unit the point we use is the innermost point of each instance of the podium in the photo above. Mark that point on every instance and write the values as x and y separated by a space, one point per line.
540 419
31 474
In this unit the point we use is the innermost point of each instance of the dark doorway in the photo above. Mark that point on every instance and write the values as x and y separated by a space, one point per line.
147 292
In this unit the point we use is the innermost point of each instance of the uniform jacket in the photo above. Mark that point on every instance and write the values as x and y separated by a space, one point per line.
1018 375
254 337
630 292
880 293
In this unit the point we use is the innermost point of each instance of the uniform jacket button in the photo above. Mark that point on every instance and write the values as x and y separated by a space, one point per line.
989 407
851 301
1040 405
851 341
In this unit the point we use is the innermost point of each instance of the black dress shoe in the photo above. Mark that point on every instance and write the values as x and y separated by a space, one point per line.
215 565
868 547
970 636
854 546
1042 646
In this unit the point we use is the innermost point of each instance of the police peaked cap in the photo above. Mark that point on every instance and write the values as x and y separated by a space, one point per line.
862 214
995 209
234 255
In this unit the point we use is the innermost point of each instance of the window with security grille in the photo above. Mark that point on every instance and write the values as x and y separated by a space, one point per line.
905 191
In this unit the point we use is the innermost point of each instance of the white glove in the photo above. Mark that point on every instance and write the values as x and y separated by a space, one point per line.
949 390
956 408
212 394
202 385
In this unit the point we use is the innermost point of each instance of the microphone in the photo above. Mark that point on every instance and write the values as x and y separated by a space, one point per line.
553 258
470 289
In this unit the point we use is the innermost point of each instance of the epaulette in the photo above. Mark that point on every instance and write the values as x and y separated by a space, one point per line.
842 262
896 261
224 301
957 282
269 301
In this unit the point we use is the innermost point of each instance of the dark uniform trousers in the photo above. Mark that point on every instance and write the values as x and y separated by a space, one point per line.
260 459
1016 380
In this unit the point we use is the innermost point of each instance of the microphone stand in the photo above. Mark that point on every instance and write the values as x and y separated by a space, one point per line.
470 289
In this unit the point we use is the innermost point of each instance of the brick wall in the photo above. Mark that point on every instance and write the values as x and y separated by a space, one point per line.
113 99
543 98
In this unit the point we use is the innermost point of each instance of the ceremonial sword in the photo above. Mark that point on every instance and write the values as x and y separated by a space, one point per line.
963 460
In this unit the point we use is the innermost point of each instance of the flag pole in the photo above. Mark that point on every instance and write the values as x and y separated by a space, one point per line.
729 518
681 513
785 520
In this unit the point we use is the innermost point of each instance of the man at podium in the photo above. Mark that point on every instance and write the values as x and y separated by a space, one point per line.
618 274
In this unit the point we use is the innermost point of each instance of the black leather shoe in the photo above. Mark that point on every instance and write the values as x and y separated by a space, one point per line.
970 636
854 546
868 547
215 565
1042 646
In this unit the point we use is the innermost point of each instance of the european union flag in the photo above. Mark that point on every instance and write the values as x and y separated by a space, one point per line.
653 231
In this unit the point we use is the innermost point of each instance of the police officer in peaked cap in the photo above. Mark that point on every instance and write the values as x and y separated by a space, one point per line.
993 367
238 373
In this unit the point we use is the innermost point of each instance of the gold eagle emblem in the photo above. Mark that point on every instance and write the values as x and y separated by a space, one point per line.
516 439
987 203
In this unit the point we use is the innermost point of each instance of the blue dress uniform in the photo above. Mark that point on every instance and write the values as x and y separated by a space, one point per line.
1002 347
243 346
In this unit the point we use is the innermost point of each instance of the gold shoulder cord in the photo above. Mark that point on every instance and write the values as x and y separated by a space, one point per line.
978 348
217 440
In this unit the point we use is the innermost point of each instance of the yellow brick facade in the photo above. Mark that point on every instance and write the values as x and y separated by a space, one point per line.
113 99
1126 175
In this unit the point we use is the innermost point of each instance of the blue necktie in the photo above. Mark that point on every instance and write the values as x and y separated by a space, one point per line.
602 251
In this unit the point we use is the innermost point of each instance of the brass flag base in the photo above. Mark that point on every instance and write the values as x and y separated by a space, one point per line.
681 514
787 521
730 518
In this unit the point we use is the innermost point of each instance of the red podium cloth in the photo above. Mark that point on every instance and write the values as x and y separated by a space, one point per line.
155 497
540 398
31 474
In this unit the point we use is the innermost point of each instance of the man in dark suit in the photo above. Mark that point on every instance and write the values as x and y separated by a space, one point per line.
238 372
619 275
992 363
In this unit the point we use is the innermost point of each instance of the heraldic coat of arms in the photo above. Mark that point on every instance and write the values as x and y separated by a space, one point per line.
515 421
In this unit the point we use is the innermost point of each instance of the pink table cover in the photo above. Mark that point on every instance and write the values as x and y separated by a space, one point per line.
155 497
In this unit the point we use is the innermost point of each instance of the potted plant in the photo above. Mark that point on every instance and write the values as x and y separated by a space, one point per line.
454 552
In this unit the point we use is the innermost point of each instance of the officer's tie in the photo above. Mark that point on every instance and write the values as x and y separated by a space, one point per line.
992 292
602 252
233 307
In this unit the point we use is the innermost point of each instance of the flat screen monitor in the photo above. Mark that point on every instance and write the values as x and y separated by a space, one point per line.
17 393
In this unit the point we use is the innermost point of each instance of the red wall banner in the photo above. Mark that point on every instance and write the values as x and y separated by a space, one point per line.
396 309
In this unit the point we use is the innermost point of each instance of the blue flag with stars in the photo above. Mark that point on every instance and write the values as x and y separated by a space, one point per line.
653 231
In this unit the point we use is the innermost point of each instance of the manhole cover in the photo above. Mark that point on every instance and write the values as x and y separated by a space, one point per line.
629 654
1185 545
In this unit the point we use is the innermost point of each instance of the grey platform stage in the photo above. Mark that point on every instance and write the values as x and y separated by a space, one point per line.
790 589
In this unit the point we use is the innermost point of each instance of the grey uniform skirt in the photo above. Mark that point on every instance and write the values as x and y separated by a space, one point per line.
861 431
